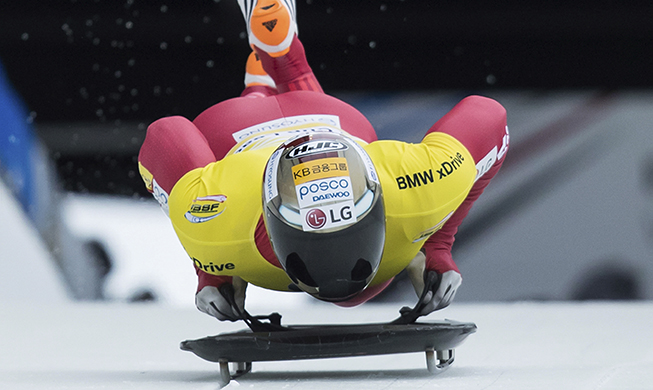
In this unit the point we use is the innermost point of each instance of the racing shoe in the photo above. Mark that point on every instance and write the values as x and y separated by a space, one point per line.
255 74
271 24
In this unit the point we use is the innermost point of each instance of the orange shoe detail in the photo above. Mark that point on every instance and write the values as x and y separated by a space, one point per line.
272 27
254 65
270 22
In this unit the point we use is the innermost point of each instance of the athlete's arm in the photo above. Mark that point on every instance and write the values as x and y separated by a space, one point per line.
480 125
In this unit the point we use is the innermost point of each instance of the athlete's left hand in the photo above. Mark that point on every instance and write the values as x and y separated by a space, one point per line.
440 287
215 302
442 290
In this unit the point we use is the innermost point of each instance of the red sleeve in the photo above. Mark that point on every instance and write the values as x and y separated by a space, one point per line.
173 146
480 125
438 247
205 279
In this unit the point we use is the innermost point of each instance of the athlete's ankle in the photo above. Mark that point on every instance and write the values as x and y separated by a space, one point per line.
290 71
255 74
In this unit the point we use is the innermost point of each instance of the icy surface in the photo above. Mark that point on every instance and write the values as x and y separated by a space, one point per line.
517 346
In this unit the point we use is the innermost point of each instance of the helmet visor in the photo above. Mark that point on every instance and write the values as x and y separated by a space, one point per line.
332 266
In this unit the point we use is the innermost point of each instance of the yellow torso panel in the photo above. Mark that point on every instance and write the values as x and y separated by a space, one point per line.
215 209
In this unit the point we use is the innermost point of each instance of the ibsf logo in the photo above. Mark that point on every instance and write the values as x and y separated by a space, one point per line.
206 208
311 147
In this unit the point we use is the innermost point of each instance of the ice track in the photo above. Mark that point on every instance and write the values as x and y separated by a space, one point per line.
517 346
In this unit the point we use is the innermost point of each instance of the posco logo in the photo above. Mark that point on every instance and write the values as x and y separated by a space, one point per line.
311 147
324 190
321 186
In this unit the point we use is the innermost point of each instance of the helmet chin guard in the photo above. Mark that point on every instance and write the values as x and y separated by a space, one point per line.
324 214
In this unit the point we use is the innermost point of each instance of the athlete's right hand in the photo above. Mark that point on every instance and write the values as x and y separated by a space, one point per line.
211 301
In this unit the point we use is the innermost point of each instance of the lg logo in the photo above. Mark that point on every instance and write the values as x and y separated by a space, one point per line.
316 218
330 216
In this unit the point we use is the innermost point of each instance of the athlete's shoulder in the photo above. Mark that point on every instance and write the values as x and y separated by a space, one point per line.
203 194
436 170
438 151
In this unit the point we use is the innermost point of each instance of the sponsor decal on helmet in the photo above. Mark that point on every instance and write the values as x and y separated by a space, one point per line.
263 140
323 191
369 165
317 146
206 208
327 217
270 177
319 169
316 218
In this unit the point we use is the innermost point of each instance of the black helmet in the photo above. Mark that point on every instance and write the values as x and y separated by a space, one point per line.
324 214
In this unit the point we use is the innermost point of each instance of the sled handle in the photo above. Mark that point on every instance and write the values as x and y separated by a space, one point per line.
253 322
408 315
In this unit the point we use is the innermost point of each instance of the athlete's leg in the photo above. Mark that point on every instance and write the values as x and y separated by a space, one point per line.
219 122
480 124
257 82
173 146
272 32
291 72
